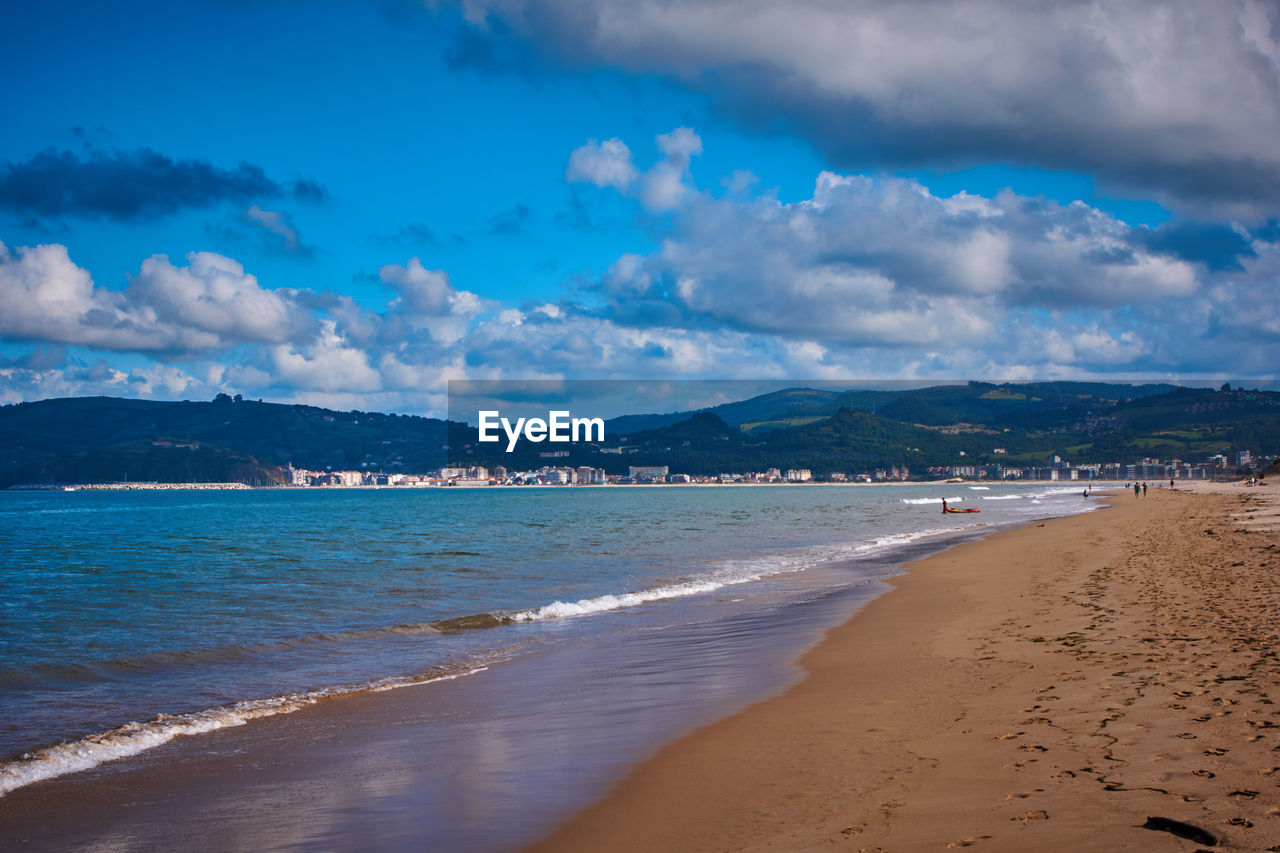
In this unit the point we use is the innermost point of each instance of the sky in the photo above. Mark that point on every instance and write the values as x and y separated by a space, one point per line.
349 204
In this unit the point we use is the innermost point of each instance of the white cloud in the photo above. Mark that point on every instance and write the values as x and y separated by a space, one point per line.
327 364
209 305
214 294
605 164
679 146
663 187
885 263
428 301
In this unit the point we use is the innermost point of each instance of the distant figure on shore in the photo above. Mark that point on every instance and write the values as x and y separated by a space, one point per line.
1137 490
944 504
1086 494
1144 490
1171 482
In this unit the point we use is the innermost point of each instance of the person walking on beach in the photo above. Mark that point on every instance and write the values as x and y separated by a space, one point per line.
1144 490
1137 490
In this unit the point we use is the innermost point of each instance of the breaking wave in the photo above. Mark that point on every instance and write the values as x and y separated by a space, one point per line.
134 738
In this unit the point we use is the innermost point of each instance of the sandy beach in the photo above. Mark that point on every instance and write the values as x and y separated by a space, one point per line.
1104 681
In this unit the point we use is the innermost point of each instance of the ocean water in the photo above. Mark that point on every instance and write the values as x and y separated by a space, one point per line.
128 618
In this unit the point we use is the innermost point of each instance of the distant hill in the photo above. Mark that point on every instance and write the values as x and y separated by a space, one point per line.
147 461
70 438
1022 404
973 424
95 439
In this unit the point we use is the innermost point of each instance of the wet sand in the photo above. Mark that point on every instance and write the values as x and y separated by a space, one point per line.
1054 687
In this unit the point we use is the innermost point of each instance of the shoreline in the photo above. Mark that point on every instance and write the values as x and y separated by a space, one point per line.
1037 689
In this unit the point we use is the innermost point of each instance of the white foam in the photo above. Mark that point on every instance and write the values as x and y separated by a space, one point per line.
604 603
1004 497
134 738
921 501
728 576
896 539
981 488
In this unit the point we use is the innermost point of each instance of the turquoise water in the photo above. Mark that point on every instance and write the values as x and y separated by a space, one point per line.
129 617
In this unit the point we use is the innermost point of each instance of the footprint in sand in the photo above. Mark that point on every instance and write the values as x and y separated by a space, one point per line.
1034 815
1024 794
1204 774
1217 750
967 842
1033 747
1010 735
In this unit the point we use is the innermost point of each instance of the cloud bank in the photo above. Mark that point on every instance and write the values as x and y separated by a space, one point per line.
868 277
1179 100
133 186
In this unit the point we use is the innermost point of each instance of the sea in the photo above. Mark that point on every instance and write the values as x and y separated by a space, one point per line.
599 622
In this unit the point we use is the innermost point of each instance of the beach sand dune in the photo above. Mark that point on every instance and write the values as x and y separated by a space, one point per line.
1100 682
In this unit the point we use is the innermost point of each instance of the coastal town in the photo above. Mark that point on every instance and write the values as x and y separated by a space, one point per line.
1218 466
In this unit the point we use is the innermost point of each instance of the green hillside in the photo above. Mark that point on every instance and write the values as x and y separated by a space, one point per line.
48 435
96 439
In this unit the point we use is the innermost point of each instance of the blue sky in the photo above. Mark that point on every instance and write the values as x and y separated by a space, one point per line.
350 203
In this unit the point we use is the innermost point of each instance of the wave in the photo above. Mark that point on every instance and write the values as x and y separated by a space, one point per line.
893 540
604 603
980 488
134 738
921 501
